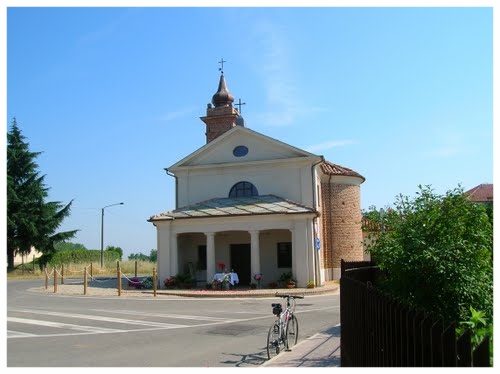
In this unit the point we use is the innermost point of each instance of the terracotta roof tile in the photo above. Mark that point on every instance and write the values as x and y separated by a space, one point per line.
481 193
334 169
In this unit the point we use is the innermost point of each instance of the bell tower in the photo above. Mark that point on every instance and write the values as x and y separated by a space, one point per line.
222 116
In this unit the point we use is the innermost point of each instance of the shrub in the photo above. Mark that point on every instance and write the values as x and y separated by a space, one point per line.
170 282
437 254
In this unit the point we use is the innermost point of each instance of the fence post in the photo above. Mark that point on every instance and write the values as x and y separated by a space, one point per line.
136 268
154 282
33 264
481 355
85 280
62 274
91 275
46 278
55 279
118 278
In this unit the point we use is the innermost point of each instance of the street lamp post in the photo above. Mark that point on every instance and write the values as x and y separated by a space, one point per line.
382 214
102 231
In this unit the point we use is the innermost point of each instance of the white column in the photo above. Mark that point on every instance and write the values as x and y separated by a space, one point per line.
254 253
174 255
210 256
163 253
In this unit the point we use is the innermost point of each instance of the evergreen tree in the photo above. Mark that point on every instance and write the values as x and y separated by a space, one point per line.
31 221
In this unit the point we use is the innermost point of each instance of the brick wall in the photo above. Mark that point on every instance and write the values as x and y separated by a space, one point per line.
341 219
218 121
218 126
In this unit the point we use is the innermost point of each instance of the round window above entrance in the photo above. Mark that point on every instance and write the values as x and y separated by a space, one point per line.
240 151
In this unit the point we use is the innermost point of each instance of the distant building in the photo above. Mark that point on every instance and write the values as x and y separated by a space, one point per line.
20 259
482 193
258 206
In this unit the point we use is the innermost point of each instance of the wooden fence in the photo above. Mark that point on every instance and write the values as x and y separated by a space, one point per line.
378 331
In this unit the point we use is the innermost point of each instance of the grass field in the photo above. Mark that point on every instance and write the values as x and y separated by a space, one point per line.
129 268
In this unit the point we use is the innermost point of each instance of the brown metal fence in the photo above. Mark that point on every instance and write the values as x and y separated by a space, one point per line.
378 331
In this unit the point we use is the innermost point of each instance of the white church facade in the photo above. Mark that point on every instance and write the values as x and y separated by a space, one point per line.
259 206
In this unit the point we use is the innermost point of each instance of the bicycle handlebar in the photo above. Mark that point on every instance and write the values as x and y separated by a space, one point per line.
288 296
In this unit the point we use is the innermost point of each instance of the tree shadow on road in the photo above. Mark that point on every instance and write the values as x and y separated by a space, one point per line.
247 359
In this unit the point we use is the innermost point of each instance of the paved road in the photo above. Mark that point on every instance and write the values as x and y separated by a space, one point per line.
47 330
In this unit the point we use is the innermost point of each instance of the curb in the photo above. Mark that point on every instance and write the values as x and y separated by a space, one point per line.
244 293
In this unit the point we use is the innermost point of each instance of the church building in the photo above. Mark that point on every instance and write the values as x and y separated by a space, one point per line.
258 206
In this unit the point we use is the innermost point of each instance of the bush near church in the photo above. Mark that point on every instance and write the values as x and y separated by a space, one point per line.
437 254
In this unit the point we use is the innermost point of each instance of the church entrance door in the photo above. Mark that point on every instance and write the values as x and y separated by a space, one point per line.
240 262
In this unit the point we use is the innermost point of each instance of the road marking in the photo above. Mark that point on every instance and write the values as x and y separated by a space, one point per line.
178 316
61 325
13 334
103 319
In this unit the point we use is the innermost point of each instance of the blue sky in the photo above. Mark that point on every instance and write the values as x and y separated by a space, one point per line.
112 96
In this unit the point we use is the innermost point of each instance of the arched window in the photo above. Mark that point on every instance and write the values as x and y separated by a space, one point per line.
243 189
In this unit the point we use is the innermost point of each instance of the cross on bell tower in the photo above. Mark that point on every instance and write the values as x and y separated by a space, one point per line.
221 62
239 105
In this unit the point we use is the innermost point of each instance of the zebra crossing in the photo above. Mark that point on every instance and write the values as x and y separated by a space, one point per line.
31 323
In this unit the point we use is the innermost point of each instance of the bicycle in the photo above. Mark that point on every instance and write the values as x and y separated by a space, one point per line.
284 332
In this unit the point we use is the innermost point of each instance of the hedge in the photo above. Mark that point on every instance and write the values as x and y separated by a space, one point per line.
82 256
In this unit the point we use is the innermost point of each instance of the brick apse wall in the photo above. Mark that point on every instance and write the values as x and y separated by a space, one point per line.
341 220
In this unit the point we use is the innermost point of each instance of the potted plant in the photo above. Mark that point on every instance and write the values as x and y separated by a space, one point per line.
184 280
287 279
170 282
310 284
216 285
225 280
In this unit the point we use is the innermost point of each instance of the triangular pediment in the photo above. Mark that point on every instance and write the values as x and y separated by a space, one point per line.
241 144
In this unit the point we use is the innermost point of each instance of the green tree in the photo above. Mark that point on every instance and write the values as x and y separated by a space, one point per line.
31 221
68 246
373 214
153 255
436 254
115 249
138 257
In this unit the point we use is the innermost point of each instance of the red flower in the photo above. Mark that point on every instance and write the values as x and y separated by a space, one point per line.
170 281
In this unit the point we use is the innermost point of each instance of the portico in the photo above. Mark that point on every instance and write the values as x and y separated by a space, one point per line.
204 242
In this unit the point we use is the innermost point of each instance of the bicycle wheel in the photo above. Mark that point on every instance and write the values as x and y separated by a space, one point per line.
292 331
273 341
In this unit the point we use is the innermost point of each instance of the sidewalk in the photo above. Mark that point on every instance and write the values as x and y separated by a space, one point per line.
107 287
320 350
